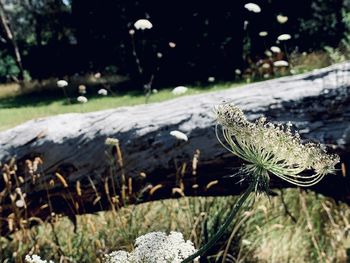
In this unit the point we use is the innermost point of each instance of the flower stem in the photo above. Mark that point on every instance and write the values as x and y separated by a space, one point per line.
223 228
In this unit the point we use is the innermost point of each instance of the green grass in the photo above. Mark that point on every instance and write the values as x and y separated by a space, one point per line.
263 232
18 109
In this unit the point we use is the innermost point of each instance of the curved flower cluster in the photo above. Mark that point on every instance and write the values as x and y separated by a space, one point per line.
273 149
155 247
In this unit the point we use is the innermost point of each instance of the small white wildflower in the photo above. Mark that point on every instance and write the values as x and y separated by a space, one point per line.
266 76
238 71
211 79
119 256
82 89
266 65
20 203
111 141
275 49
179 135
284 37
245 24
143 24
282 19
179 90
159 55
97 75
252 7
268 53
292 71
35 259
62 83
263 33
154 91
82 99
280 63
131 32
172 44
102 92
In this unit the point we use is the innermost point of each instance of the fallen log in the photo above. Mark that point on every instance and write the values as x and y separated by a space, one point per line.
80 174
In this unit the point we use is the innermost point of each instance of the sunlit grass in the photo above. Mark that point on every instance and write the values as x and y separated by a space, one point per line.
16 110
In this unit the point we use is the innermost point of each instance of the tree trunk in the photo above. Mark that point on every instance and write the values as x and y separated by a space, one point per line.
80 174
10 39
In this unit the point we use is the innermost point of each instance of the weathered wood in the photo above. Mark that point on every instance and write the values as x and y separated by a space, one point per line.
317 103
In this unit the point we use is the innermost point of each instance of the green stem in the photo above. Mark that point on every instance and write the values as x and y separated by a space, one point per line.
223 228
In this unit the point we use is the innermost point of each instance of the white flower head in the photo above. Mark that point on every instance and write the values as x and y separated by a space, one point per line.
282 19
280 63
111 141
265 65
172 44
62 83
268 149
263 33
131 32
82 89
82 99
102 92
35 259
179 135
97 75
143 24
155 247
238 71
179 90
159 55
284 37
275 49
268 53
252 7
20 203
211 79
154 91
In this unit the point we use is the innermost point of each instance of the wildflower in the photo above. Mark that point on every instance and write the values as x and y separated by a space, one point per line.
159 55
238 71
131 32
154 91
275 49
172 44
272 149
245 24
82 89
263 33
20 203
102 92
62 83
97 75
268 53
111 141
284 37
155 247
211 79
179 90
179 135
143 24
266 65
280 63
266 76
35 259
282 19
252 7
82 99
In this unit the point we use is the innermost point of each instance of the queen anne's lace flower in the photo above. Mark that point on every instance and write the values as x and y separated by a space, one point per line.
252 7
155 247
35 259
272 149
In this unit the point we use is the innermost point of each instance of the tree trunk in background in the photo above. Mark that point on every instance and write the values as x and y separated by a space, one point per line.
80 174
10 39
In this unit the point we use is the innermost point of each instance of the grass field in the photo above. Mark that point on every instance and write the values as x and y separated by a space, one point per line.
18 109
